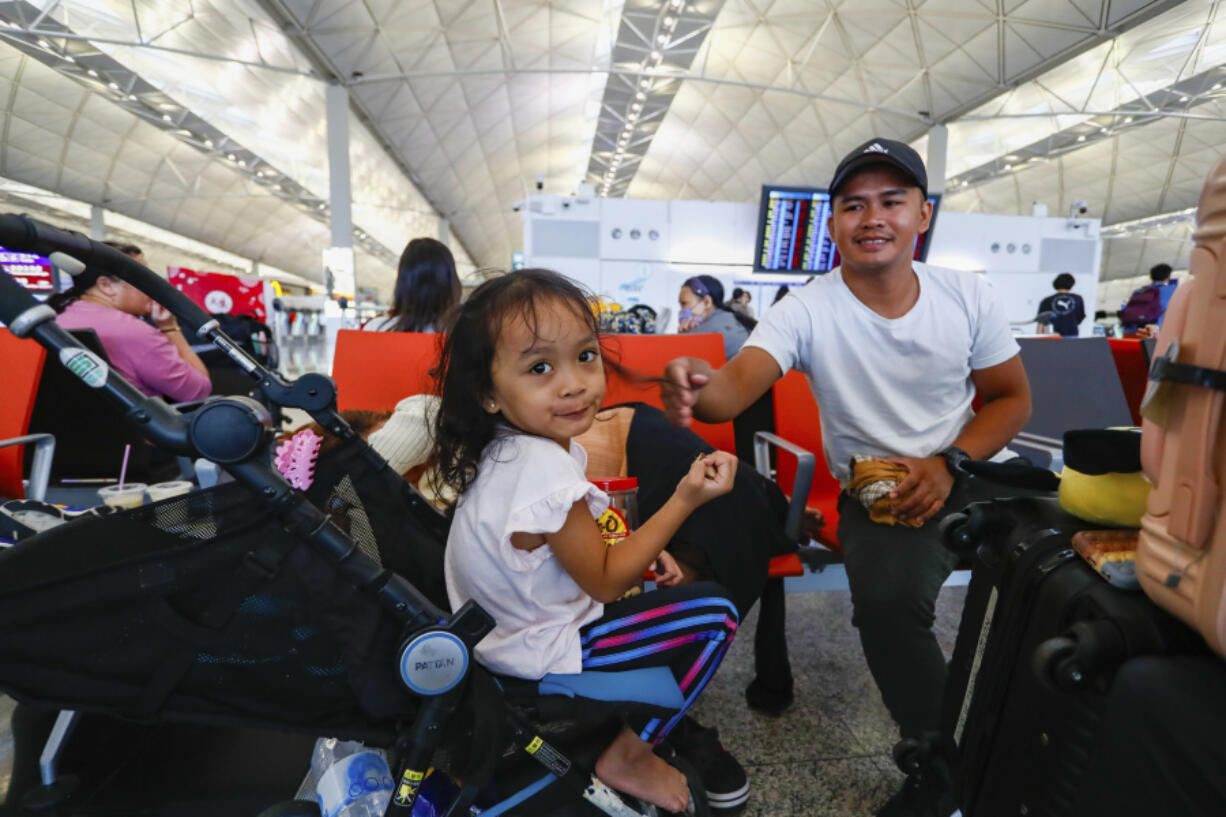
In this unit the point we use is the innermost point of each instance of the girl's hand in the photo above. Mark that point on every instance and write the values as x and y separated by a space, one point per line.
668 573
710 476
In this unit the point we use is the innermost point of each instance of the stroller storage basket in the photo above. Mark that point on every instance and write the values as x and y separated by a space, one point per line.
200 607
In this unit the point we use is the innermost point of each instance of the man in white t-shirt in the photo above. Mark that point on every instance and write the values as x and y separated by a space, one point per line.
894 351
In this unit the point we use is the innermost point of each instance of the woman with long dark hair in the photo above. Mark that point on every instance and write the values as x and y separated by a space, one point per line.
427 289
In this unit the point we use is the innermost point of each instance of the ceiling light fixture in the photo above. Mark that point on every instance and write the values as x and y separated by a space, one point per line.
1183 99
662 39
91 72
1216 87
1081 138
167 118
640 96
656 56
70 58
114 86
1127 120
208 143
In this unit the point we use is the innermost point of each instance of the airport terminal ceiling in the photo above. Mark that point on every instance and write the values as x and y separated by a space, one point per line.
206 117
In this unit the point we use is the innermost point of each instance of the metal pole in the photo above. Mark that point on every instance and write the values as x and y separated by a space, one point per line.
97 222
938 146
338 166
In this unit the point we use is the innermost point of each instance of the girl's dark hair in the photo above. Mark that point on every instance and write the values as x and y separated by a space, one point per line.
702 285
1063 281
427 287
463 428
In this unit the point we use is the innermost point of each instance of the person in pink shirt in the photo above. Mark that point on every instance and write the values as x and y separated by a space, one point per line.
155 359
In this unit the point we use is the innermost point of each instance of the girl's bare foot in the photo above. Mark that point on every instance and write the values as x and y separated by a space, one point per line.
629 765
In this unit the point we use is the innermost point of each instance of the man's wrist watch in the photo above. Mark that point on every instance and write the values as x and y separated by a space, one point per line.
954 458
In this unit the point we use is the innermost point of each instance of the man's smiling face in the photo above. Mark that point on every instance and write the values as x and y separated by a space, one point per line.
875 218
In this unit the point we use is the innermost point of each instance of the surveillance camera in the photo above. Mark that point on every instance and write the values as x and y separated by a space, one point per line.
565 205
517 206
1081 206
540 181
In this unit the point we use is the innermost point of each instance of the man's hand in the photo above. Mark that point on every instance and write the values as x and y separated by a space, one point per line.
925 488
668 572
683 377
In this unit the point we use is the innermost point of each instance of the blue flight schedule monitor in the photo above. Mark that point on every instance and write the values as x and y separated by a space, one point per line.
794 234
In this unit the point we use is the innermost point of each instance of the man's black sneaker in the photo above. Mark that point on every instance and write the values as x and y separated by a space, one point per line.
927 791
722 776
767 700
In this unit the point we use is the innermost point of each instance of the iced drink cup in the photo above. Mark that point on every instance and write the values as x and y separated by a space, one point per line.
128 495
165 490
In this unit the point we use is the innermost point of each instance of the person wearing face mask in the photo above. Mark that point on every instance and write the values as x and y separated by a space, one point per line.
703 310
155 359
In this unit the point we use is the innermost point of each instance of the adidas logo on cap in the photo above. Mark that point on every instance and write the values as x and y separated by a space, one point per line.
875 147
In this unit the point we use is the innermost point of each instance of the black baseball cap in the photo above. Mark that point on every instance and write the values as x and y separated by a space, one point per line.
881 152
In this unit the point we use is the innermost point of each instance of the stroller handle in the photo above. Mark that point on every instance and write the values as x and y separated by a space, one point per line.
30 235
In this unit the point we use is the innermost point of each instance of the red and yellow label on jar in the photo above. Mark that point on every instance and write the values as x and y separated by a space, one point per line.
613 527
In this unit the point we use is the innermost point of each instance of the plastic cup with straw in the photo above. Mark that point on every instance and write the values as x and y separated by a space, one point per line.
125 494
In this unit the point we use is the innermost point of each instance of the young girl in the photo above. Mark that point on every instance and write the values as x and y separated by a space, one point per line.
521 375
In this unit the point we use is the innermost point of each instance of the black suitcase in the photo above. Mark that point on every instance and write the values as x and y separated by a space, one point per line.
1041 637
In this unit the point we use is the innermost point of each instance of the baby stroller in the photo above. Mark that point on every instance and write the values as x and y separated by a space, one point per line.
248 604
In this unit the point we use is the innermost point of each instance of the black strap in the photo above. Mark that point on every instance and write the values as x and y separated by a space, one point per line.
257 567
1164 368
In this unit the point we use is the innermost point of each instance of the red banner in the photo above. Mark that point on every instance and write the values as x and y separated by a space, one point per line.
218 293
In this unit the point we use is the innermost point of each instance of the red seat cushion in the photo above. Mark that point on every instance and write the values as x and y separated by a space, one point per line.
23 369
1130 364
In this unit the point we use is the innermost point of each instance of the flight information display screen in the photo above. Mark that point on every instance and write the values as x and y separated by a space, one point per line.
32 271
793 235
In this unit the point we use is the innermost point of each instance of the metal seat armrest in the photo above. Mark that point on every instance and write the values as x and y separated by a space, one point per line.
40 468
806 463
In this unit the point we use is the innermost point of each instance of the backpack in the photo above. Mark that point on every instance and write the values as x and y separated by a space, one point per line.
1181 552
1143 308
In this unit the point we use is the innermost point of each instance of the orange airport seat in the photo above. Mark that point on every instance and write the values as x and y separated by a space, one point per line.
646 356
23 369
797 420
376 370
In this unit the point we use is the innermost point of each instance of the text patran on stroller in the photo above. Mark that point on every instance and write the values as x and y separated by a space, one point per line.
246 604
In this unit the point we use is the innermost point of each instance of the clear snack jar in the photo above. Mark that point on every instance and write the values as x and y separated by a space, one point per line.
622 515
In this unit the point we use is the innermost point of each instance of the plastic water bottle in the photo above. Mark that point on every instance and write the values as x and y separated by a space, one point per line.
351 780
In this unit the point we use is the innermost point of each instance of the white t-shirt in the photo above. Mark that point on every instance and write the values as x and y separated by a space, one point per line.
525 484
889 387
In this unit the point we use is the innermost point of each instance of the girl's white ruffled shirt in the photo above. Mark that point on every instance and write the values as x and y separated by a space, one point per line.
525 484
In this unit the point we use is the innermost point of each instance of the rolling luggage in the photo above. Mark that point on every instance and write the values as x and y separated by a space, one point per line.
1181 556
1040 639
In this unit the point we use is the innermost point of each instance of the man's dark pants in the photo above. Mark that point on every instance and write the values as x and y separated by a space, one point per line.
895 573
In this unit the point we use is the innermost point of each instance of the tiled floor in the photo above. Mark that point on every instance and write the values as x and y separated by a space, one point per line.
829 754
